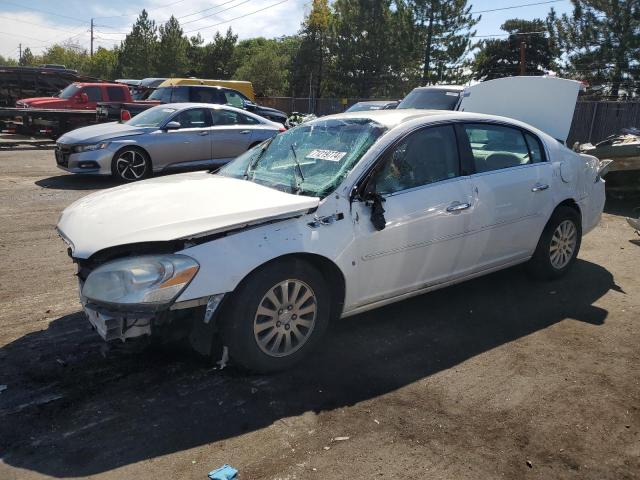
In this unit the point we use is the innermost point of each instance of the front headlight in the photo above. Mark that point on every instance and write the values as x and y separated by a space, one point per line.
90 148
150 281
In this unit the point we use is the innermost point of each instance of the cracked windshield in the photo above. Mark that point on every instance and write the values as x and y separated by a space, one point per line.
311 159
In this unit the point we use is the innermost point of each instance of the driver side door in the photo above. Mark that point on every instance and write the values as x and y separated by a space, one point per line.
428 208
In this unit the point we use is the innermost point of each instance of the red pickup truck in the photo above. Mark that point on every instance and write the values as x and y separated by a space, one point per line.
80 96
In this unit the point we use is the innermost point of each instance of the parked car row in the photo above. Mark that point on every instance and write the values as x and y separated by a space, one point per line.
334 217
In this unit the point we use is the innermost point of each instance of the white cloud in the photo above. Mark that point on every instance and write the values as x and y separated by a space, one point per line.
44 30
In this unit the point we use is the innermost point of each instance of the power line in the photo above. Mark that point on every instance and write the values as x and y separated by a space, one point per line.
206 9
36 24
237 18
136 14
45 11
511 7
215 13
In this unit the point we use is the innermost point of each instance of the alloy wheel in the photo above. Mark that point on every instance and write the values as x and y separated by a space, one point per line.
563 244
131 165
285 318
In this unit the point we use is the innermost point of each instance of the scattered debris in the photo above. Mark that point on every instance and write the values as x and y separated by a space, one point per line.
375 420
529 464
3 388
61 362
225 472
225 358
635 224
254 390
341 439
326 448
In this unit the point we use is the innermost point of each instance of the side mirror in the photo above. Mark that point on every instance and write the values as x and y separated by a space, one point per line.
83 98
172 126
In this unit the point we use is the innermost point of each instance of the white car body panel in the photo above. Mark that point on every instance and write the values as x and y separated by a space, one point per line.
154 210
423 247
546 103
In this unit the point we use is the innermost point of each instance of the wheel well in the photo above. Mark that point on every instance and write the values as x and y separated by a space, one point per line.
571 203
132 147
329 270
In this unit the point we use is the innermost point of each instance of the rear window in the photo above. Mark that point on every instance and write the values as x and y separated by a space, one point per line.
162 95
431 99
115 94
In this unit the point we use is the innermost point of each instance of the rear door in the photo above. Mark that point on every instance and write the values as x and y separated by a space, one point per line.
231 134
512 194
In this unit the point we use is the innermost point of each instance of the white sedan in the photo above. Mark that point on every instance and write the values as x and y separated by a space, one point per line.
332 218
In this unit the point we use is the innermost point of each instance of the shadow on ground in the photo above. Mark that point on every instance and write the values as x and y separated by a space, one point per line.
69 411
77 182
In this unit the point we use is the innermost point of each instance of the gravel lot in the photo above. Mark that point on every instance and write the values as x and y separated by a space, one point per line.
500 377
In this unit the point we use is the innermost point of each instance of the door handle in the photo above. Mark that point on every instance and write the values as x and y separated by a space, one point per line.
539 187
202 134
244 132
458 207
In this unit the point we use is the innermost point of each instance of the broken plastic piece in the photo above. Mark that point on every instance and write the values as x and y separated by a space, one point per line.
225 358
225 472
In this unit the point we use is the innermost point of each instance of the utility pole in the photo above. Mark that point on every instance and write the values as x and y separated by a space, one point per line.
91 37
19 53
523 69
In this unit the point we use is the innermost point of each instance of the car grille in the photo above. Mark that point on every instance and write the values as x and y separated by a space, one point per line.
62 154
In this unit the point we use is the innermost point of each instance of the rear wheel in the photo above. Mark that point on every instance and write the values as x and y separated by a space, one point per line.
130 165
558 246
277 316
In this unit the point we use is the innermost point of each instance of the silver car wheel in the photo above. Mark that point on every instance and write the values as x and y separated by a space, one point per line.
285 318
563 244
131 165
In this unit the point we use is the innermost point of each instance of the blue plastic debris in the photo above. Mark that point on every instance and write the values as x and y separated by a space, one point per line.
225 472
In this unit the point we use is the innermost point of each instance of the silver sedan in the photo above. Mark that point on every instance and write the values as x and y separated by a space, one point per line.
171 136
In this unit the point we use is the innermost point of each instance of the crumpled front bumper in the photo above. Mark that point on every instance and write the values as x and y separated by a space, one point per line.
117 325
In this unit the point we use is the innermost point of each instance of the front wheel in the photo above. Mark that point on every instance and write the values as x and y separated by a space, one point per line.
130 165
277 316
558 246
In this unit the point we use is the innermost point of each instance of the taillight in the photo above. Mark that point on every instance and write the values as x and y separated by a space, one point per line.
125 115
282 129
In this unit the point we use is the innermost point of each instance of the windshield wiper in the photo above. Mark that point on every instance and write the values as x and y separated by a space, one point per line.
255 161
298 170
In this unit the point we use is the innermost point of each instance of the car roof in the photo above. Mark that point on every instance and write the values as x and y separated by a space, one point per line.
393 118
449 88
214 106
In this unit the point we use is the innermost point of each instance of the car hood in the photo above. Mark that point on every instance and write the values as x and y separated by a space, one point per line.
44 101
172 207
101 132
271 110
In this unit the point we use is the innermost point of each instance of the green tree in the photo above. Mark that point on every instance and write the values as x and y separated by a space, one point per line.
601 41
195 56
498 58
71 56
103 64
265 64
8 62
171 58
444 28
138 50
309 63
219 56
362 48
28 58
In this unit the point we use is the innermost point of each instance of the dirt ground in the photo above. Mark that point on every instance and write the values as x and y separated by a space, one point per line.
500 377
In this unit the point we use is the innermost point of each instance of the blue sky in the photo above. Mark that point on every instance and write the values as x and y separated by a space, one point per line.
33 23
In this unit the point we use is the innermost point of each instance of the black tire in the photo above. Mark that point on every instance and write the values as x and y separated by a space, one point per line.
241 314
139 165
541 264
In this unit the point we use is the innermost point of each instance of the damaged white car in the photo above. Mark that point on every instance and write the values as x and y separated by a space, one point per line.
335 217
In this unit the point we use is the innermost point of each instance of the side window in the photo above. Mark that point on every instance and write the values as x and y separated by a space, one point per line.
234 99
94 93
193 118
180 94
427 156
115 94
535 147
205 95
246 119
226 117
495 147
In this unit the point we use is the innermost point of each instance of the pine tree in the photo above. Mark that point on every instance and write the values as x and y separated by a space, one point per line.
309 62
27 58
601 40
501 57
219 56
444 28
138 49
172 50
